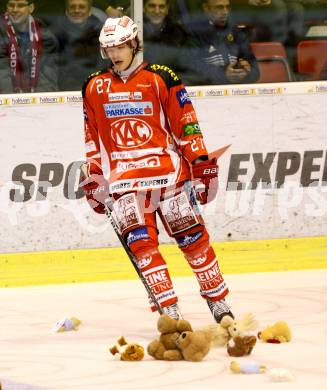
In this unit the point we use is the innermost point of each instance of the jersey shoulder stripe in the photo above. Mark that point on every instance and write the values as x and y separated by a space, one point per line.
90 77
168 75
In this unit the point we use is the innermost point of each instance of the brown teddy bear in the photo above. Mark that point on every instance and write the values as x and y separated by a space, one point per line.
194 345
241 345
165 347
130 352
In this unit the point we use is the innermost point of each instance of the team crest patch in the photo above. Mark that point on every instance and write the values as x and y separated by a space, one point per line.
183 97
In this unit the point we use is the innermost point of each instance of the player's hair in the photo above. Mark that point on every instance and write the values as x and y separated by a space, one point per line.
167 2
139 46
90 3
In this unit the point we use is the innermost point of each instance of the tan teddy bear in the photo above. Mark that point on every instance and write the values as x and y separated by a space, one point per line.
194 345
229 328
165 347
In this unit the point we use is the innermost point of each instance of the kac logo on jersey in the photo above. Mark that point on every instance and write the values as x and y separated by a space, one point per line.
115 110
182 97
130 133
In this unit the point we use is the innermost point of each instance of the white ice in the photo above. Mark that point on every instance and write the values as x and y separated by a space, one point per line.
32 357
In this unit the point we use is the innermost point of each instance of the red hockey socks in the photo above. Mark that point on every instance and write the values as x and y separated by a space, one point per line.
202 259
154 269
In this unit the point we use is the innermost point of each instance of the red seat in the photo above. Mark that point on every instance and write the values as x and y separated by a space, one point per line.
311 57
272 62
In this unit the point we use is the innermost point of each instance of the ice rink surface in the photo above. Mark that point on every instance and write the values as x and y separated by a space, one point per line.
32 357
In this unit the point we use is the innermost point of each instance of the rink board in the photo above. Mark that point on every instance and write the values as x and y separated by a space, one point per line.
269 133
28 269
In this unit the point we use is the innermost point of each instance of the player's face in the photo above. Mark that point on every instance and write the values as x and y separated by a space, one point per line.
78 11
121 56
19 11
217 11
156 10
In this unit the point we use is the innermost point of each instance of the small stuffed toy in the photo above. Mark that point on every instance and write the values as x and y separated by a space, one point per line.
229 328
131 352
165 347
280 375
241 345
276 334
66 324
194 345
247 367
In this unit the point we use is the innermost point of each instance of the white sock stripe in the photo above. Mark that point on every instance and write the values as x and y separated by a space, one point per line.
152 270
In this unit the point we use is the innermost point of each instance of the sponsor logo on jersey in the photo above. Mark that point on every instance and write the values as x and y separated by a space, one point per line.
132 154
130 133
125 185
119 96
150 162
183 97
151 183
192 129
115 110
144 85
137 235
173 75
199 260
189 117
144 262
188 239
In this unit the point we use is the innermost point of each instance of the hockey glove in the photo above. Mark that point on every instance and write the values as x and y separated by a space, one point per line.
96 190
205 176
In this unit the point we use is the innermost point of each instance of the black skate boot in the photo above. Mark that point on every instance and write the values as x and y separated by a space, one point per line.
219 309
172 311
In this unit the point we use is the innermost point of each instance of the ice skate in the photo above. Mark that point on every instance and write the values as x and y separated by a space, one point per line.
219 309
172 311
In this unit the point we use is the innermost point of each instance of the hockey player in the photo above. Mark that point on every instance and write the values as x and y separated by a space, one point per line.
144 146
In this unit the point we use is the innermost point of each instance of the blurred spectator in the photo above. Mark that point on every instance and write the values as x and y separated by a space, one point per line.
77 33
315 12
50 10
295 22
162 36
28 51
268 18
221 53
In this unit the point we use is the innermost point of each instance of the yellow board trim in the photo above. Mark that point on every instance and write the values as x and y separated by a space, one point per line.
93 265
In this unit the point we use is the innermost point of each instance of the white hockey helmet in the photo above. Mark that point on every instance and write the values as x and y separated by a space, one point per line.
115 32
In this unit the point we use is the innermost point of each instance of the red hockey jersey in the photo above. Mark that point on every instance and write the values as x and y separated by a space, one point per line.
142 133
